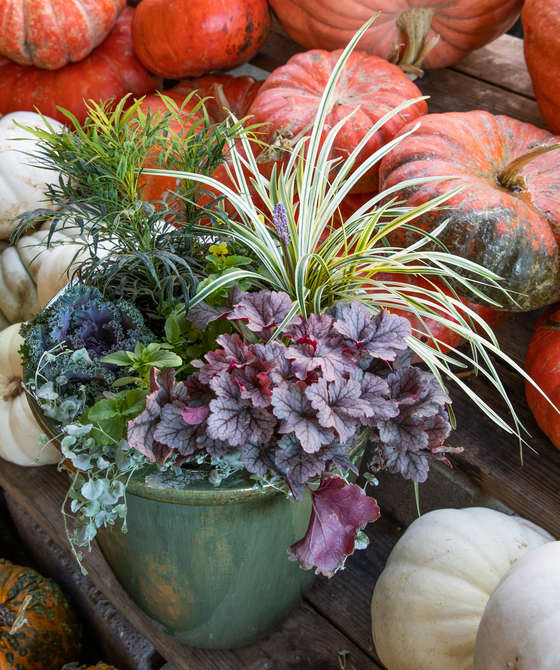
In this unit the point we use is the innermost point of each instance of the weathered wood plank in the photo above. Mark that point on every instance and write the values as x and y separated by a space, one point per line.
306 640
501 63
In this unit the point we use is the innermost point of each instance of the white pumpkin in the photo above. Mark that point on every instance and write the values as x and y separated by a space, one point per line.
30 274
520 627
22 185
19 442
429 599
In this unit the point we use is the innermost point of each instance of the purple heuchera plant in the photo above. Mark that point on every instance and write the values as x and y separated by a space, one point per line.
295 408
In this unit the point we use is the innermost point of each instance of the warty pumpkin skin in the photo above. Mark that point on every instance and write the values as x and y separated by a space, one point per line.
519 627
52 33
369 86
405 29
543 366
541 43
49 634
187 38
429 599
506 217
110 71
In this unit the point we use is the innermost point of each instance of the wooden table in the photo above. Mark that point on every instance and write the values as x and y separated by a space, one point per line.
331 630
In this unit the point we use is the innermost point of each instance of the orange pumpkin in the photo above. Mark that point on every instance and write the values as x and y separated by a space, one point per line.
369 86
543 365
507 215
187 38
111 71
38 628
541 26
411 33
52 33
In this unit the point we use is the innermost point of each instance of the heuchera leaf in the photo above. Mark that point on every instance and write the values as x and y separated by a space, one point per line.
339 511
339 405
258 458
410 464
291 405
234 419
254 382
173 431
297 465
262 311
234 353
381 337
315 346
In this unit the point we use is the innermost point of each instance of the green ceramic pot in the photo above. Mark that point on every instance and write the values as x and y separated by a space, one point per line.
210 563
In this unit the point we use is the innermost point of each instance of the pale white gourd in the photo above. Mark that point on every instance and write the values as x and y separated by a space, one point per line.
520 627
22 185
30 274
430 597
19 440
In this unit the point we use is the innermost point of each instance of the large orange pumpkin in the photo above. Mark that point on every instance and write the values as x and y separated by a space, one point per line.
543 365
412 33
187 38
541 26
38 629
369 86
507 215
52 33
111 71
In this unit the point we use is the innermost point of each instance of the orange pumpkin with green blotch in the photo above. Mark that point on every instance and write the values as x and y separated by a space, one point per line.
38 628
506 216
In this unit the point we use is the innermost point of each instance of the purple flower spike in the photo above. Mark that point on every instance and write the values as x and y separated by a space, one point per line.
280 221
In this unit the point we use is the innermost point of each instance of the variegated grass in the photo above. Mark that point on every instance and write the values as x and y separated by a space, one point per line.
322 264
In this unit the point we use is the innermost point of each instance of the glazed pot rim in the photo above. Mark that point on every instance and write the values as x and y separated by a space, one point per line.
242 492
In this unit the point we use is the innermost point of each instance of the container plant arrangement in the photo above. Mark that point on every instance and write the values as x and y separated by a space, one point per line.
240 367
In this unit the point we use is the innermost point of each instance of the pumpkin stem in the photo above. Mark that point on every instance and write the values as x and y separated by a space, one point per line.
13 388
415 23
20 619
510 178
223 102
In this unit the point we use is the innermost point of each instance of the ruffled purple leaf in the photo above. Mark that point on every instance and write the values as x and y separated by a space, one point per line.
234 353
254 381
258 458
311 330
339 405
262 311
326 355
404 432
375 392
381 337
233 419
193 416
411 465
291 405
172 430
296 464
339 511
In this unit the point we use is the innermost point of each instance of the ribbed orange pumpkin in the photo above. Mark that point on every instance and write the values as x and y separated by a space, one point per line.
541 25
52 33
507 215
406 29
110 71
368 86
38 629
187 38
543 365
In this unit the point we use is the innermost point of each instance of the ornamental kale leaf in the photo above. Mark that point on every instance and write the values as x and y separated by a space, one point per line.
81 319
